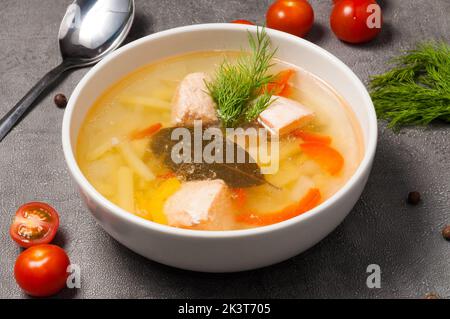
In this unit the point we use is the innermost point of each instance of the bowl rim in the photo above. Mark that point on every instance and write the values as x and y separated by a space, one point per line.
124 215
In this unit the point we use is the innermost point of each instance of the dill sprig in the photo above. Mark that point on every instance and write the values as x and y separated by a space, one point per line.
416 91
237 85
257 106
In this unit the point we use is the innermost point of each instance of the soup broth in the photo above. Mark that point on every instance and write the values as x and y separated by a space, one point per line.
114 151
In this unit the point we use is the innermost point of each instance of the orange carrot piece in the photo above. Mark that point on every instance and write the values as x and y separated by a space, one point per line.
149 131
287 91
311 200
167 175
240 197
284 76
309 137
280 85
327 157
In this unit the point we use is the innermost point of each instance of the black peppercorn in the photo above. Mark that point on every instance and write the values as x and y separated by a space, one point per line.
414 198
446 232
60 101
431 295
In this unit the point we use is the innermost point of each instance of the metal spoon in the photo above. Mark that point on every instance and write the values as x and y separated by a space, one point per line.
89 31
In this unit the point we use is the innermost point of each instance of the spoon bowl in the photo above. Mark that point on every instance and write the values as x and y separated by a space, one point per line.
89 31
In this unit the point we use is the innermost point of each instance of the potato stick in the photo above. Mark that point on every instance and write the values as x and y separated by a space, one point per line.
149 102
135 163
99 151
301 187
104 189
288 150
166 93
125 189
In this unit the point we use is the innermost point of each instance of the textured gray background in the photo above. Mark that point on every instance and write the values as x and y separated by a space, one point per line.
405 241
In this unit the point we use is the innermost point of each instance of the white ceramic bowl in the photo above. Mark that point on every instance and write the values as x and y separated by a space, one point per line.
224 251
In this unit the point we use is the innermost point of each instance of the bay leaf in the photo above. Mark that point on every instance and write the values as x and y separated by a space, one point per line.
236 174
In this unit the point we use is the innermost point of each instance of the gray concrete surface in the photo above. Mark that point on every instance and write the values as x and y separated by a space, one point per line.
405 241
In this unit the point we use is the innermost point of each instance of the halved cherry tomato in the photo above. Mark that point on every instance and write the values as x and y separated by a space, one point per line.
35 223
351 20
292 16
327 157
41 271
243 22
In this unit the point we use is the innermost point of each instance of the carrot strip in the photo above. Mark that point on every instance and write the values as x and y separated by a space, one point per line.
280 85
287 91
327 157
240 197
311 200
309 137
167 175
149 131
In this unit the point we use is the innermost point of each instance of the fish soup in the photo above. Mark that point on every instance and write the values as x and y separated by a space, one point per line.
125 145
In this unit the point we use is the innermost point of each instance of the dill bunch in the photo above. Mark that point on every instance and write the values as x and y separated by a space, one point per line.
237 86
416 91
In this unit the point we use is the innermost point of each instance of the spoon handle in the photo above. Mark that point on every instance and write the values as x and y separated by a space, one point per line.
17 112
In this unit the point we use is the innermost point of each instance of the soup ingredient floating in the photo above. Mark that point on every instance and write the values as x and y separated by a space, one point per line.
35 223
41 271
235 173
310 201
237 87
211 210
416 91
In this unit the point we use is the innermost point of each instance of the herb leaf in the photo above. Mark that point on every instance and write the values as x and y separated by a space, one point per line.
416 90
236 85
257 106
235 174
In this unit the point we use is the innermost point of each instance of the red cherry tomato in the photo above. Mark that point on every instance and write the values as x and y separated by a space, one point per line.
243 22
41 271
353 21
35 223
292 16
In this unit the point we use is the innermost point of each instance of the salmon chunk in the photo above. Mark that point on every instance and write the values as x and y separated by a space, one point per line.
204 205
284 116
192 102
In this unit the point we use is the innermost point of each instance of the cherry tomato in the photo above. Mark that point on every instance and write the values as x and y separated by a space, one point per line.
243 22
35 223
353 20
292 16
41 271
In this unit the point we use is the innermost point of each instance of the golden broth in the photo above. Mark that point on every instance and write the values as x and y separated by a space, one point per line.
119 169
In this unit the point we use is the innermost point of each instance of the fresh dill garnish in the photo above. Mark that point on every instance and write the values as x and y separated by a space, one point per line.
237 85
416 90
257 106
